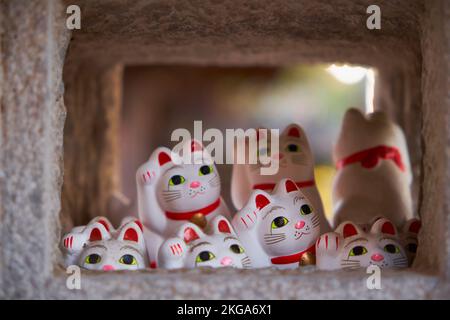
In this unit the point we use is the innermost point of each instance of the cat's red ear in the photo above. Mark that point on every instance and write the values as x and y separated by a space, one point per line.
131 235
190 234
388 228
261 201
290 186
415 226
139 224
96 235
349 230
223 226
163 158
294 132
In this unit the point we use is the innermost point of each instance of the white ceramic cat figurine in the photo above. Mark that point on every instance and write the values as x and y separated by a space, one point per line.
218 247
373 170
99 247
409 238
171 193
295 161
278 229
350 247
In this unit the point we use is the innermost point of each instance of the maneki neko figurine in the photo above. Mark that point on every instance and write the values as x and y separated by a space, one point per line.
278 229
216 247
173 191
409 238
98 246
351 247
373 170
295 162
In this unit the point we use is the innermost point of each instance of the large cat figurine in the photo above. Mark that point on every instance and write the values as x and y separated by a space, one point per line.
97 246
373 170
280 228
217 247
350 247
295 161
172 192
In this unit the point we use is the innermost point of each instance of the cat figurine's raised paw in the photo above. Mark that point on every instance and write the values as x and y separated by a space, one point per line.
278 228
373 170
174 189
295 161
350 247
193 247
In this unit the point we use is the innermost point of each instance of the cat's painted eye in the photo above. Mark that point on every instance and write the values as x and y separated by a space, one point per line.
305 209
358 251
204 170
204 256
128 259
279 222
176 180
237 248
292 147
93 259
391 248
412 247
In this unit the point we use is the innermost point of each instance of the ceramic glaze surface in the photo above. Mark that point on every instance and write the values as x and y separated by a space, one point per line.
279 228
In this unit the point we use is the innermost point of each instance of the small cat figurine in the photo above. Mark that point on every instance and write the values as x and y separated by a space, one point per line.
98 246
373 170
171 193
409 238
278 229
295 161
350 247
219 247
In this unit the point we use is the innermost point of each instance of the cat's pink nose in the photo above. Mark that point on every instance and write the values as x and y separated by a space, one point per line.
377 257
108 267
299 224
226 261
195 184
278 156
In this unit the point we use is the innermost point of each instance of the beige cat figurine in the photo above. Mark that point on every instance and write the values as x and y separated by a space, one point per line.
295 161
373 170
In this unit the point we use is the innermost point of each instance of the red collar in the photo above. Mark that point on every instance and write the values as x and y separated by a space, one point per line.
271 186
369 158
293 258
188 215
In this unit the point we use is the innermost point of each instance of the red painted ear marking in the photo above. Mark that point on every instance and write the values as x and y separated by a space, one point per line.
163 158
190 235
261 201
290 186
103 222
349 230
195 146
415 226
131 235
139 223
294 132
224 227
388 228
95 235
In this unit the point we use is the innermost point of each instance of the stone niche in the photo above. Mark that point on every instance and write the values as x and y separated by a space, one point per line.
60 94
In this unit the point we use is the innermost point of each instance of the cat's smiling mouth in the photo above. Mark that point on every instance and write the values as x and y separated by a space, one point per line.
197 193
301 235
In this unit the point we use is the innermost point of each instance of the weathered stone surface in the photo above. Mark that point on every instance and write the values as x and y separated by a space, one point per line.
32 117
411 52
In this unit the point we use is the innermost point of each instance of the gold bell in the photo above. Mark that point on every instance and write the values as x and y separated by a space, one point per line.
199 219
307 259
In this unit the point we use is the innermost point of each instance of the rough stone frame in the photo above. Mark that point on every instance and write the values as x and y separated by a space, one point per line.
413 87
